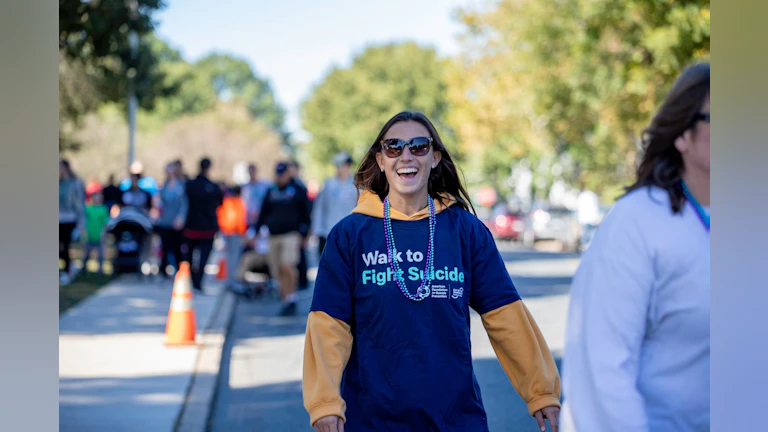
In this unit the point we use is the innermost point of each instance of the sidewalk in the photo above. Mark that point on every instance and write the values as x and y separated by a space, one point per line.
115 373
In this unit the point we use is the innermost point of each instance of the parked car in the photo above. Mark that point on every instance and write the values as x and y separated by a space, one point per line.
503 222
553 223
509 226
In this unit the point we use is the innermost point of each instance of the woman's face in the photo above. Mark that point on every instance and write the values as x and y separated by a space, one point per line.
407 174
693 145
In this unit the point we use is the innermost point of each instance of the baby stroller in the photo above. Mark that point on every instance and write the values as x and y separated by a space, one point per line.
132 230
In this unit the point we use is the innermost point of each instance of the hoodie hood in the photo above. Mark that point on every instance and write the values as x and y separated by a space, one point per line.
370 204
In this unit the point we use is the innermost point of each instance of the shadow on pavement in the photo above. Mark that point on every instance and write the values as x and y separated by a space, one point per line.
280 406
277 406
121 404
531 287
274 407
505 409
528 255
258 318
126 308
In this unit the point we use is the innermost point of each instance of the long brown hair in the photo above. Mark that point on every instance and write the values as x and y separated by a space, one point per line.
70 172
443 179
662 164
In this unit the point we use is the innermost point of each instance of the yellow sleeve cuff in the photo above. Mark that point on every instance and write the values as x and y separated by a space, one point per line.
524 355
327 409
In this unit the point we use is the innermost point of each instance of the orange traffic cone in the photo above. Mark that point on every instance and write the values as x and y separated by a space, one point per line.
222 274
180 328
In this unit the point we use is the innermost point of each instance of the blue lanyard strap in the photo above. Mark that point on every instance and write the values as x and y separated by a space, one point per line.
703 216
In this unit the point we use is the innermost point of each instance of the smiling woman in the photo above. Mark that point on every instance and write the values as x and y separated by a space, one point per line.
408 161
378 317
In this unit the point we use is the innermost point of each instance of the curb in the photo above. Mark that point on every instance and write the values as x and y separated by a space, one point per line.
198 403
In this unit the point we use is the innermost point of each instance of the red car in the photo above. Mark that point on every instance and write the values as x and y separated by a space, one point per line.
508 226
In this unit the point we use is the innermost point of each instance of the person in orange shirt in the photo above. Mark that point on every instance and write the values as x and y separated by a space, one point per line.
233 223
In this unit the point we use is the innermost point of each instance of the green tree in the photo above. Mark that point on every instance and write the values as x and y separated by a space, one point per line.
94 47
194 92
233 78
586 74
349 107
200 86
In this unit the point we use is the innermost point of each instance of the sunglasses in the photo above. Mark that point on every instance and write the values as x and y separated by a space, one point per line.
418 146
701 116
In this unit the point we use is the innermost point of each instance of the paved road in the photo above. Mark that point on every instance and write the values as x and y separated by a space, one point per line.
260 383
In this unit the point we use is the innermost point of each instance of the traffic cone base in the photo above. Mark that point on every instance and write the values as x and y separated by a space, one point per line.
180 327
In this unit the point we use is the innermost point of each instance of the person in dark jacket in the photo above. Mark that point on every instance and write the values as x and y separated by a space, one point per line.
136 197
294 171
112 194
285 213
201 223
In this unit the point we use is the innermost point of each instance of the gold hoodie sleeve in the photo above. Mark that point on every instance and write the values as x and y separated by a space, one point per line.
524 355
327 348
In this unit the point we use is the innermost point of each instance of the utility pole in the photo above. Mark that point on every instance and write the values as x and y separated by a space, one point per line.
133 103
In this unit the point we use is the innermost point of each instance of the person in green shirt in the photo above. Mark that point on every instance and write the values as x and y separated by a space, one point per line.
96 218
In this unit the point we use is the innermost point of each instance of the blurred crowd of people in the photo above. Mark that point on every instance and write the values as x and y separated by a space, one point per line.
264 223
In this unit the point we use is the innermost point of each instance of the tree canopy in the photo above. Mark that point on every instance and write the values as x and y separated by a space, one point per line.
96 59
96 62
577 77
347 109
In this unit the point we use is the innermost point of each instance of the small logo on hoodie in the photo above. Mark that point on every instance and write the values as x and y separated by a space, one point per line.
457 292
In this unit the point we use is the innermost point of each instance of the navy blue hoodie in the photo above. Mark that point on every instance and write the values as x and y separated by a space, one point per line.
409 366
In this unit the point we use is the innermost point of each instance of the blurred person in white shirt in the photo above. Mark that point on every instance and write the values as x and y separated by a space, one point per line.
336 199
637 341
253 193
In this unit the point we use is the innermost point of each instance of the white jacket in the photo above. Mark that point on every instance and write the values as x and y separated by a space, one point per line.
637 344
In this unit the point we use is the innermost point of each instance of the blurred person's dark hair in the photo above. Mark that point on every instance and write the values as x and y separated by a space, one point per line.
281 168
661 164
205 165
341 159
444 178
236 191
64 163
170 171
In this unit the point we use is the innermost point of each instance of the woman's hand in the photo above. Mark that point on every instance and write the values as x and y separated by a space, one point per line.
329 423
552 414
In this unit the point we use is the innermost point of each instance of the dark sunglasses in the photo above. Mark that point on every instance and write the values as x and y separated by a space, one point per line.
418 146
701 116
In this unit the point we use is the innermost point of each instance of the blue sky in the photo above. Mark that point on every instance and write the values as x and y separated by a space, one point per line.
294 43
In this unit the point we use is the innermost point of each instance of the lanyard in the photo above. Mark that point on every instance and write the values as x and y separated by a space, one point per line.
703 216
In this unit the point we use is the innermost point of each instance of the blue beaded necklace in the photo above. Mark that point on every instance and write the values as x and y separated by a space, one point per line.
426 283
703 216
